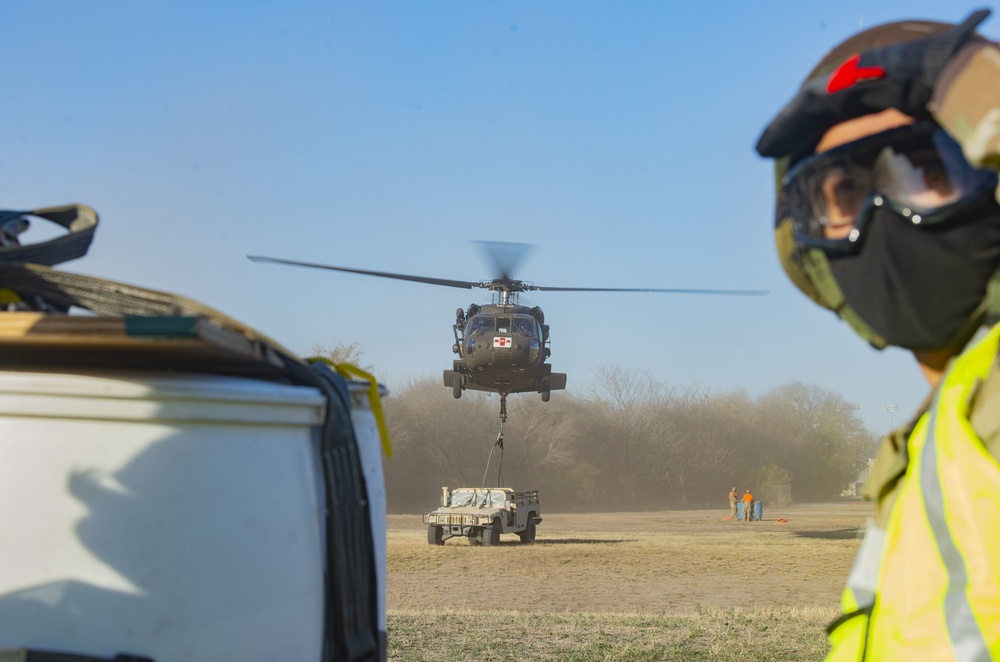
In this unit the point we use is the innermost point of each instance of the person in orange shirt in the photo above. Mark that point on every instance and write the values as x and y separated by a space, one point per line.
747 506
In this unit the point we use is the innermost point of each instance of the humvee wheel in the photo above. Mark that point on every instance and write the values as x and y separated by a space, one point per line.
456 386
491 534
528 535
435 535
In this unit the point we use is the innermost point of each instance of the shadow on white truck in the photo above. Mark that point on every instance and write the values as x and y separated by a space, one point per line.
482 514
178 486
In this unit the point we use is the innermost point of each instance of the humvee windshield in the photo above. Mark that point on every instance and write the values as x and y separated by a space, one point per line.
490 499
461 498
479 498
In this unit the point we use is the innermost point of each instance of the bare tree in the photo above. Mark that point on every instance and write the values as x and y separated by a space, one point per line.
352 353
632 444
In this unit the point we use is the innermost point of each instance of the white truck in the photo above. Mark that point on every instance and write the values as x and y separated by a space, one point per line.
481 514
177 485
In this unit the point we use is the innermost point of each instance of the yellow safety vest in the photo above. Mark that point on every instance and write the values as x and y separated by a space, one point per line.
927 585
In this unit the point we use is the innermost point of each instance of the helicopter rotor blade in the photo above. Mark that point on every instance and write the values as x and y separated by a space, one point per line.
753 293
462 284
505 256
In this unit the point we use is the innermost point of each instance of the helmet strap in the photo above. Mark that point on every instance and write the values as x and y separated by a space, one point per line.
817 267
788 254
993 299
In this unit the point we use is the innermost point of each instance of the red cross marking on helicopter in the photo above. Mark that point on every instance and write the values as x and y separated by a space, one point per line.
501 342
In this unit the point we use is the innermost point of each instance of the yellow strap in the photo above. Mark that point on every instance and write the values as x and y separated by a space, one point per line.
9 296
352 371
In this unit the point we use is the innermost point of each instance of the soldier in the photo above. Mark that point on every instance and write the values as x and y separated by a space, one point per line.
747 506
887 215
733 494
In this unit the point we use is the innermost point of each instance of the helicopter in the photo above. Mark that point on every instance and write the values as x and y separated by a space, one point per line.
502 347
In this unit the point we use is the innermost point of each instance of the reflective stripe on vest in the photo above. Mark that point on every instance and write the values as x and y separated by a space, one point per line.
966 637
861 583
937 572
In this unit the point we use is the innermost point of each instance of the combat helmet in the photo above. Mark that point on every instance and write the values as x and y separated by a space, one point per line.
823 101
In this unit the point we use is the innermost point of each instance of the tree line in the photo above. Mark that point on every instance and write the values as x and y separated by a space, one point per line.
630 444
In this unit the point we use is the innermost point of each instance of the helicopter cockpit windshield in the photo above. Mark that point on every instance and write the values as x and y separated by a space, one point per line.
526 325
479 324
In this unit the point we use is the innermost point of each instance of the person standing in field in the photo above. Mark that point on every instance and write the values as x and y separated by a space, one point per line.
747 506
887 214
733 494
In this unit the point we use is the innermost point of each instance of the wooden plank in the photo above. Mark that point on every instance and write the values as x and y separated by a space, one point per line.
15 325
27 335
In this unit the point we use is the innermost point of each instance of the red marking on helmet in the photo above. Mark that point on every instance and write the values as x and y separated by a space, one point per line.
850 73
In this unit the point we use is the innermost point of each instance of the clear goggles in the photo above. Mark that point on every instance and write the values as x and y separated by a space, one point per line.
917 171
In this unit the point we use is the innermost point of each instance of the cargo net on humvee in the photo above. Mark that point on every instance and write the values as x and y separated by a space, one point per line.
481 514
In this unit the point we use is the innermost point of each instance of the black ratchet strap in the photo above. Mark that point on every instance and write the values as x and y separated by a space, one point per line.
80 221
351 619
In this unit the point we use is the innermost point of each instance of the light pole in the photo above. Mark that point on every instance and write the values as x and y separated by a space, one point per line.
889 409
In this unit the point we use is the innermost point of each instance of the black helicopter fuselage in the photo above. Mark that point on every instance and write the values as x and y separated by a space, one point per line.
502 348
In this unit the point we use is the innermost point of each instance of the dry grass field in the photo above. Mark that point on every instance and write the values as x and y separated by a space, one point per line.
677 585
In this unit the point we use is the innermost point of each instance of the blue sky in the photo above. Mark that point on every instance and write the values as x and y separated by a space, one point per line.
617 138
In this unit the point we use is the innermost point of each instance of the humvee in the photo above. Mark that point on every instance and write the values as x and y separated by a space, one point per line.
481 514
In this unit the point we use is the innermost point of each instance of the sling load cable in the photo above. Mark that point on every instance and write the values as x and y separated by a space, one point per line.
498 442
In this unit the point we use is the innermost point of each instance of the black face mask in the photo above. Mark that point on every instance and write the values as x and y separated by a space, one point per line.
918 287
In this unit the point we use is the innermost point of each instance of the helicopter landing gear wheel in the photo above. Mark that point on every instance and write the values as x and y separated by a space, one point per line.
456 386
546 393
